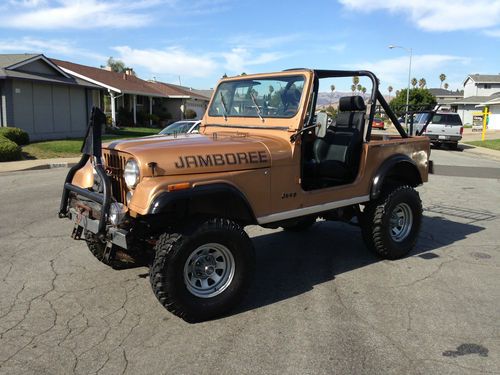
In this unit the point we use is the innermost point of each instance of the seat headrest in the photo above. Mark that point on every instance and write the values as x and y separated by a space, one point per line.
291 96
352 103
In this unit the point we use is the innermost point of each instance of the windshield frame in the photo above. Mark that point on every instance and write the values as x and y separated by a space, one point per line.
300 75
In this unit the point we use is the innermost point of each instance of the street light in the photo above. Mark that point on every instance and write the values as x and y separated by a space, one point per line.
409 75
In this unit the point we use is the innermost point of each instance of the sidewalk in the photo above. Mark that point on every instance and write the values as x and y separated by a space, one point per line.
26 165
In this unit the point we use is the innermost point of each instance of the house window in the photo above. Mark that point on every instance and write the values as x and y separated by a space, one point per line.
487 86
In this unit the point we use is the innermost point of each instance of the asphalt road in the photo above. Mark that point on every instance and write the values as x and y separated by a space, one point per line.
320 304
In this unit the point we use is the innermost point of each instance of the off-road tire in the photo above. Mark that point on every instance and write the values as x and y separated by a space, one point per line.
167 273
126 260
300 226
375 222
95 246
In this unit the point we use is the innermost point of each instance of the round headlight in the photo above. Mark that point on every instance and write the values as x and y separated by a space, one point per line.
131 173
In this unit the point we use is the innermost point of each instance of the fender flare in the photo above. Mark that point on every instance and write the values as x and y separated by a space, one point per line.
407 168
218 199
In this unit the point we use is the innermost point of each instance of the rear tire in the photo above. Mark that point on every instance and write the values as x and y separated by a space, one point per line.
203 272
391 224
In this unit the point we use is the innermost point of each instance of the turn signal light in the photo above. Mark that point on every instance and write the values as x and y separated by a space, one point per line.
180 186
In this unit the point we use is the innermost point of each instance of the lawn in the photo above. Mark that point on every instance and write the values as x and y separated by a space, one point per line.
71 147
494 144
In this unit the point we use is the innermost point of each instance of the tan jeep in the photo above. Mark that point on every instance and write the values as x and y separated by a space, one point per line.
265 156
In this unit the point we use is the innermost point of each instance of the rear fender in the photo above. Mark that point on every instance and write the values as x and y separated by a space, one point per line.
398 168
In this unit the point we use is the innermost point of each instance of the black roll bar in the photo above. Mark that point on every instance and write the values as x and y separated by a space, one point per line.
92 146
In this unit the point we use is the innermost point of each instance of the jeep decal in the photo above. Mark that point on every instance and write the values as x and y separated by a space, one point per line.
230 158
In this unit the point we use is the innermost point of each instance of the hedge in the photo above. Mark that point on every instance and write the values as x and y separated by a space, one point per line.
9 150
16 135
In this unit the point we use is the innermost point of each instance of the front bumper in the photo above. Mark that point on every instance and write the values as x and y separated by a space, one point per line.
114 235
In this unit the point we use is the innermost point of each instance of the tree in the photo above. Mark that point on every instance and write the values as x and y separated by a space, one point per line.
442 78
414 82
353 88
116 65
332 88
422 82
419 97
363 89
446 86
359 87
390 90
355 80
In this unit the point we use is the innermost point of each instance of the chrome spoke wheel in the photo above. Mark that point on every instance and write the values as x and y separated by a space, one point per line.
209 270
401 222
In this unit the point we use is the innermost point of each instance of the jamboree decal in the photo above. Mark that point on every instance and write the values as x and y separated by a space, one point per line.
230 158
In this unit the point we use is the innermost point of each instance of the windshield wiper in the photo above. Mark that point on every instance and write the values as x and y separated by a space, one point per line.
223 106
257 107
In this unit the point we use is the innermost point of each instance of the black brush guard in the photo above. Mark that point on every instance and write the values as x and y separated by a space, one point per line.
92 147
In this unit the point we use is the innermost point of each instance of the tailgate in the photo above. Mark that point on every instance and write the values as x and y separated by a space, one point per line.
444 130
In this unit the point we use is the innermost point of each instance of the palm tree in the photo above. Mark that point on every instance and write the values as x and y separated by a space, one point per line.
414 82
422 83
359 87
390 90
332 88
363 89
442 78
446 86
355 80
353 88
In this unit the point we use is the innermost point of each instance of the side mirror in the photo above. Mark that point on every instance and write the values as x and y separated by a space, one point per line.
321 124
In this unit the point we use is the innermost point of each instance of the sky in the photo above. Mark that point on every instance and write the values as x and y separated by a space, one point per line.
195 42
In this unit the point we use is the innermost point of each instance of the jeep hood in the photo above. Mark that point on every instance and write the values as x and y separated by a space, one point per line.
198 153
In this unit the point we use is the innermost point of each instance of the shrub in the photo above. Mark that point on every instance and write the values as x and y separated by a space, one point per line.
9 150
16 135
189 114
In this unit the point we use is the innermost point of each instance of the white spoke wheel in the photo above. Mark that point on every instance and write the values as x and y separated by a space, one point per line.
209 270
390 224
401 222
204 271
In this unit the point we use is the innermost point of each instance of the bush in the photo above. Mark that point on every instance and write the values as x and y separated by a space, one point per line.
189 114
9 150
16 135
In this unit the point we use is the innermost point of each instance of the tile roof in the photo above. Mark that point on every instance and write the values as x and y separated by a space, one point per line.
444 92
119 82
485 78
7 60
170 90
477 99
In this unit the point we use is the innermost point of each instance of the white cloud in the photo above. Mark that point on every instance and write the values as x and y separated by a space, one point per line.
437 15
75 14
395 71
239 59
47 47
169 61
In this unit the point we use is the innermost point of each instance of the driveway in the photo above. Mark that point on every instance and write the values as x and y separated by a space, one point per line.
320 304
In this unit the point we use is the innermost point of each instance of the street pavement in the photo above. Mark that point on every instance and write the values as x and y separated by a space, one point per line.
320 303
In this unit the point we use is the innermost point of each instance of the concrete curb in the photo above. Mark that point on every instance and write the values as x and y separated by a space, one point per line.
34 165
47 166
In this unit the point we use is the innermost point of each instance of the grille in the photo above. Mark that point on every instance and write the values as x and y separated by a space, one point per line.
115 165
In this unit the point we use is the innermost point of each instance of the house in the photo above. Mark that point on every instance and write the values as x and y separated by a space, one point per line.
117 90
150 99
478 89
41 98
446 97
493 104
182 98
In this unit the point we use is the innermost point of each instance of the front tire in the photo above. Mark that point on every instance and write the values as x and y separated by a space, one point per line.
203 272
391 225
